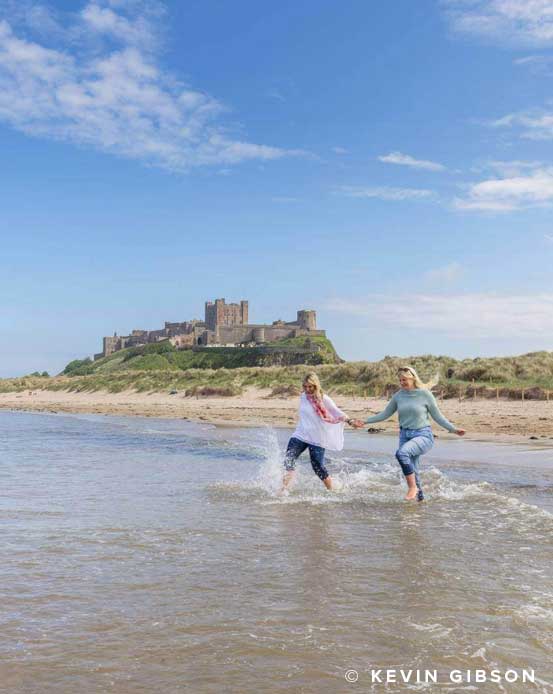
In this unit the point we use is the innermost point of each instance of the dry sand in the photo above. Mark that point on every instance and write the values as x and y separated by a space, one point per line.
503 420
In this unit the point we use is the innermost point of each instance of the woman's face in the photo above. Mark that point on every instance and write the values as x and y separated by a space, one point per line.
406 380
309 388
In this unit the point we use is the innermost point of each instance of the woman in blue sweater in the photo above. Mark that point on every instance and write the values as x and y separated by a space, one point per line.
414 404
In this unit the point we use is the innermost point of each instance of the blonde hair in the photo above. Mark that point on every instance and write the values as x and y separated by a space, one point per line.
418 382
313 380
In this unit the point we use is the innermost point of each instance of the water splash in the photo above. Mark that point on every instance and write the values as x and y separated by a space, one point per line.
269 477
374 481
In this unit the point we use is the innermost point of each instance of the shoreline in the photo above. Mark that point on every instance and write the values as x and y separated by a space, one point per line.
500 421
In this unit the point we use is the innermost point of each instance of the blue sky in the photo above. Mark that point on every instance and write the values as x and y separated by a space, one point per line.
387 164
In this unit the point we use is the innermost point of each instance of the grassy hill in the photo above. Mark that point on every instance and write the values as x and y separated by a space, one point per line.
162 356
145 369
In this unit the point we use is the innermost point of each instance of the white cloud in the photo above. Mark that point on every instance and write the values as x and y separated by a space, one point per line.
340 150
276 94
534 124
515 21
458 316
117 100
528 60
385 192
509 194
135 21
513 168
447 273
406 160
538 64
548 238
105 21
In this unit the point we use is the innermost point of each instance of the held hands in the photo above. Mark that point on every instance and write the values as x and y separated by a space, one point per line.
356 423
359 424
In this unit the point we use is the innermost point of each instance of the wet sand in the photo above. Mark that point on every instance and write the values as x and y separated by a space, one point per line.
502 421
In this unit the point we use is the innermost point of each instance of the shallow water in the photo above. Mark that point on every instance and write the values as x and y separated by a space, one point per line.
145 554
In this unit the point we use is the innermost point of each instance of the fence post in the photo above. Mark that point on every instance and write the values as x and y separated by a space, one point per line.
497 394
473 390
522 396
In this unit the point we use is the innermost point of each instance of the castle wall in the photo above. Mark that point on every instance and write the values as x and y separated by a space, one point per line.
182 341
247 333
233 334
183 328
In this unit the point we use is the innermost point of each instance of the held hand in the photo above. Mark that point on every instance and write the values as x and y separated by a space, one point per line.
357 424
460 432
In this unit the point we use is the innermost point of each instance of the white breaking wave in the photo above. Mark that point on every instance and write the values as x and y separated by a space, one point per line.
373 483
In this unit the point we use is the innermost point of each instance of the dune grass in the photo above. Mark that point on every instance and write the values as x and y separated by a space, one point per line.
505 377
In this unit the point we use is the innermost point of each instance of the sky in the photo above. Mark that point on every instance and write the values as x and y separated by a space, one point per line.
386 164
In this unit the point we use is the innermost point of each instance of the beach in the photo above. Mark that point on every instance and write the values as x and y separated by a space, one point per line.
148 554
495 420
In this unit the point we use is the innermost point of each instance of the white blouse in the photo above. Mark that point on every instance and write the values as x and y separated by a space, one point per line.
313 429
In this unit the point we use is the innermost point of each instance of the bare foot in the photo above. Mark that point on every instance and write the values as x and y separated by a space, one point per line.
411 494
287 480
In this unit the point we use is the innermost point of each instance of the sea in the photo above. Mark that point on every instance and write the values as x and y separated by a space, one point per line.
157 556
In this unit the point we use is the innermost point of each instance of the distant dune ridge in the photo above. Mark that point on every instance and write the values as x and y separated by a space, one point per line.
160 367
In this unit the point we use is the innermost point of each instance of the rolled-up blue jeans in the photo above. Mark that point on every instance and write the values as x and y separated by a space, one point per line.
412 444
316 453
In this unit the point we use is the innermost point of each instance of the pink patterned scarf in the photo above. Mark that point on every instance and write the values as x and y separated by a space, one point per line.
321 410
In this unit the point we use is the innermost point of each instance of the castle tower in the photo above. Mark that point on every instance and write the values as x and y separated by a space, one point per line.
219 313
214 313
244 312
307 319
111 345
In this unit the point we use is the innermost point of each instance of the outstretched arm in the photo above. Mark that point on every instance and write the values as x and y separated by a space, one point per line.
438 417
387 412
333 408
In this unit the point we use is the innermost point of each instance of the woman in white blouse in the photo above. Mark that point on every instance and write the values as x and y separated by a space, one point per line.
320 426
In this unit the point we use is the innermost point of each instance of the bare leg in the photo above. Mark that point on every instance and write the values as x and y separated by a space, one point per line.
413 489
328 483
293 451
287 479
408 456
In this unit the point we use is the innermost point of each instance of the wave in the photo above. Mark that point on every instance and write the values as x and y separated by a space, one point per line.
376 482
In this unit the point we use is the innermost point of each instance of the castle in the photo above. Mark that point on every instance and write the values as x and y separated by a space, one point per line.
224 325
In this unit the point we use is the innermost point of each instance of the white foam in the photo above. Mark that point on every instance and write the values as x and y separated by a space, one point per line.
374 483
